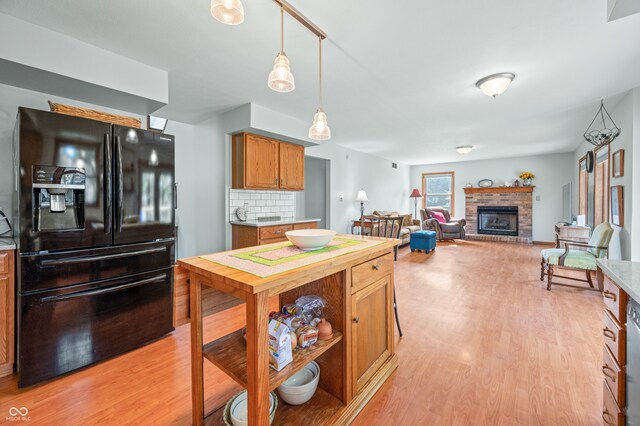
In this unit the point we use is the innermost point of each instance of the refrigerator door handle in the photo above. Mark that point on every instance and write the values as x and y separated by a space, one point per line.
108 208
157 278
118 155
72 260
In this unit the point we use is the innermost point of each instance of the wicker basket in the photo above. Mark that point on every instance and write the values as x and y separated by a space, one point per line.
95 115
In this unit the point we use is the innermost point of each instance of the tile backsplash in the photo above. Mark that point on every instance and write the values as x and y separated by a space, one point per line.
262 203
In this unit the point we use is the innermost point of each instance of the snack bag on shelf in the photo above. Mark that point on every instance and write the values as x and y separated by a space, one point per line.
310 307
280 353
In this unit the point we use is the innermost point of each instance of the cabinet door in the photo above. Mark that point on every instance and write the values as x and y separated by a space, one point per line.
261 162
291 166
371 328
7 311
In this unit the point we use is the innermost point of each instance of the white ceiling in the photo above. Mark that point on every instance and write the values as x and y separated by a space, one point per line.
399 76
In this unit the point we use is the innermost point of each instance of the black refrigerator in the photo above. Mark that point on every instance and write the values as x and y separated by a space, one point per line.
96 227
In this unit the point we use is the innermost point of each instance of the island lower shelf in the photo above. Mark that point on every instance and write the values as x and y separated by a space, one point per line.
229 354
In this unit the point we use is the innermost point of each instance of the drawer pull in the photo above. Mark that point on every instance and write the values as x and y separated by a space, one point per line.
356 320
605 416
612 375
609 333
376 267
609 295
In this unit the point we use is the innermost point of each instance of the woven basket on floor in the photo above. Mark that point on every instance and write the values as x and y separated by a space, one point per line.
95 115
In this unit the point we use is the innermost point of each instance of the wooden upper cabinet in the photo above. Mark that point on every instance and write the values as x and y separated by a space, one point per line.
263 163
291 166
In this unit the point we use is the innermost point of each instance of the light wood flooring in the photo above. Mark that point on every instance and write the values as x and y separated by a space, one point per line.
484 344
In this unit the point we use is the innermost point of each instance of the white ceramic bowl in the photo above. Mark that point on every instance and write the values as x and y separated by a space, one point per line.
310 239
236 409
300 387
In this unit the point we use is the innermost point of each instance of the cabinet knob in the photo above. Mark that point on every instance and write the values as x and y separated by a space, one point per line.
609 295
376 267
356 320
609 333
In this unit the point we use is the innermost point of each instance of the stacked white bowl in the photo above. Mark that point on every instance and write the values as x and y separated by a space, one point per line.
237 409
301 387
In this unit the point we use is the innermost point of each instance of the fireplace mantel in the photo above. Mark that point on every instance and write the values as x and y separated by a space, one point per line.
499 189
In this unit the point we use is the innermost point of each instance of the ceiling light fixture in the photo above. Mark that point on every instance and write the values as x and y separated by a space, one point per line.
230 12
280 78
604 135
495 84
464 149
320 130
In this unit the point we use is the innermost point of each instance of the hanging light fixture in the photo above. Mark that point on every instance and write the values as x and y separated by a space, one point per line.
230 12
464 149
495 84
607 133
320 130
280 78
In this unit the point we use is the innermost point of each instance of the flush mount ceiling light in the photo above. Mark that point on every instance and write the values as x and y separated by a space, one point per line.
280 78
495 84
320 130
465 149
228 12
604 135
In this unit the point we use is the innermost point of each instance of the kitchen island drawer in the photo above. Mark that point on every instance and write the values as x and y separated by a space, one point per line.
612 415
306 225
273 232
615 337
616 300
4 263
369 272
614 376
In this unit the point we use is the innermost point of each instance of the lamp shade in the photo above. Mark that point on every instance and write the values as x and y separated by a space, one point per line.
228 12
415 193
362 196
320 130
280 78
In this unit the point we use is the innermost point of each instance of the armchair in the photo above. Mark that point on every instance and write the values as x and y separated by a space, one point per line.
577 260
450 229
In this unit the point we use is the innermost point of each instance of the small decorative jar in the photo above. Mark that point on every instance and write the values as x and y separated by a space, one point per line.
526 182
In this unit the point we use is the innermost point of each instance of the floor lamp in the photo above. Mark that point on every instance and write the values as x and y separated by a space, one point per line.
362 197
415 194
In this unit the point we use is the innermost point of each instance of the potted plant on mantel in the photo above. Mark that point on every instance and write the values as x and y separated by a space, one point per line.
527 177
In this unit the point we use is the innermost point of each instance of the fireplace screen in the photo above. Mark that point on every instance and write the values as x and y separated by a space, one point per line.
499 220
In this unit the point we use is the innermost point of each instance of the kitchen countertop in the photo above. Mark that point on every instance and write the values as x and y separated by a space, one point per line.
274 223
624 273
7 243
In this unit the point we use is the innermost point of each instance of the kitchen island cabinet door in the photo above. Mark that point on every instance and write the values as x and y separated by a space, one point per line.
371 328
7 312
291 167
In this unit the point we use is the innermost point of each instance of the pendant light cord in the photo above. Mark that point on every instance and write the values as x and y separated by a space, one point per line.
281 29
320 67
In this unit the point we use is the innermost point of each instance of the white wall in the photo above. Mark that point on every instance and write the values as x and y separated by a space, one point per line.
635 177
623 113
552 173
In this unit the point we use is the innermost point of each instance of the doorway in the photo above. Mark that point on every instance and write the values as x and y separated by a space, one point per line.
314 201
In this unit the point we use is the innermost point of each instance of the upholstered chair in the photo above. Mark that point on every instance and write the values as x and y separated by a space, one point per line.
448 230
575 259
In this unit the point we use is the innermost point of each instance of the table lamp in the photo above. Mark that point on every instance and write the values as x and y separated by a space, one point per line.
362 197
415 194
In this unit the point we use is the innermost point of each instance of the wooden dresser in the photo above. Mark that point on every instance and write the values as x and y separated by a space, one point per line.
250 235
7 311
614 352
574 233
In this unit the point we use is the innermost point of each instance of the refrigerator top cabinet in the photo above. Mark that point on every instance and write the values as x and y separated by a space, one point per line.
64 174
144 185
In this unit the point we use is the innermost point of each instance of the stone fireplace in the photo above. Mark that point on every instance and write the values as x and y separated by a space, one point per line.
499 214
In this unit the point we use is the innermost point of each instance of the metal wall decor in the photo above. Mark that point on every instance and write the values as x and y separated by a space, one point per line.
605 135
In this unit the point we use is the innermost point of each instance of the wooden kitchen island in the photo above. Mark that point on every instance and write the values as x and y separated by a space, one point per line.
358 288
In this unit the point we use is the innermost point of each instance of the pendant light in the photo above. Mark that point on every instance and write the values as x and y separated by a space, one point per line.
280 78
320 130
230 12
